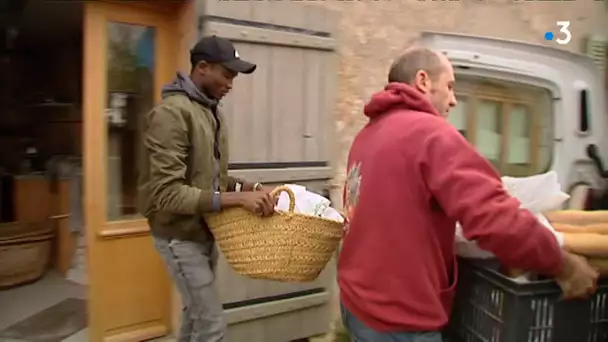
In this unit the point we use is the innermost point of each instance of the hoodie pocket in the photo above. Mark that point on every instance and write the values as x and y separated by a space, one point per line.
447 295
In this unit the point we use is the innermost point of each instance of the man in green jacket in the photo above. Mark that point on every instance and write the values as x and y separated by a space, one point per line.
184 174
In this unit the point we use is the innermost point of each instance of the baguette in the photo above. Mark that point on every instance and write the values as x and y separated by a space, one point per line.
568 228
598 228
577 217
600 265
587 244
512 272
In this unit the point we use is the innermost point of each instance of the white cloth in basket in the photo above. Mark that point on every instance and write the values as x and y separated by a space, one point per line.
308 203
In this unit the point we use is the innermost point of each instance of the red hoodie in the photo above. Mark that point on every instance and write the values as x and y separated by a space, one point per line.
411 177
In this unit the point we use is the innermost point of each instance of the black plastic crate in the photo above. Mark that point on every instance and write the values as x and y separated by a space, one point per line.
490 307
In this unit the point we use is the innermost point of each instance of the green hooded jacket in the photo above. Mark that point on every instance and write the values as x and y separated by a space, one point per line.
184 162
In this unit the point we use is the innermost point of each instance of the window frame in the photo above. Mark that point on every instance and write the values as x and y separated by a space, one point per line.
508 98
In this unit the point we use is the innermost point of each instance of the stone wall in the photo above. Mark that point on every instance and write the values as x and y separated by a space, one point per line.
373 33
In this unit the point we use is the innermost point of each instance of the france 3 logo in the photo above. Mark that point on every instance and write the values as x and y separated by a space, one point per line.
563 36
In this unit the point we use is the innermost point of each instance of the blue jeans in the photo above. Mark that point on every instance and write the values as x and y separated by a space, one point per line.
192 266
359 332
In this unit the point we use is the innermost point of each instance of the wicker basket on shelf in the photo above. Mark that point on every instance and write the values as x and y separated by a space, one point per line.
286 246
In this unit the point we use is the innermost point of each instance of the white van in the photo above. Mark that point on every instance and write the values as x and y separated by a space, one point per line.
530 109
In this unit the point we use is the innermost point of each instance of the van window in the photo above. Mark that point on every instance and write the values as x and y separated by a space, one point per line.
511 124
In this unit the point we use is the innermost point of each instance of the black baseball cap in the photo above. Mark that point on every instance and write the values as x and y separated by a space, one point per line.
214 49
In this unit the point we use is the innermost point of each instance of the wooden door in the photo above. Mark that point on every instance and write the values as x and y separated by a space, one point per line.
283 134
129 53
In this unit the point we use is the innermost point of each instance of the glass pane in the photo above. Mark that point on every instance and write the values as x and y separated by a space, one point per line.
458 116
488 129
130 95
522 130
519 136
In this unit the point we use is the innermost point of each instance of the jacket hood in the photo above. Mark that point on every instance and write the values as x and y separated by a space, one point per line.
182 84
398 96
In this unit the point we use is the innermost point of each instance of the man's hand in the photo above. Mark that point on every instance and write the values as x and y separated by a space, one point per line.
578 278
275 199
257 202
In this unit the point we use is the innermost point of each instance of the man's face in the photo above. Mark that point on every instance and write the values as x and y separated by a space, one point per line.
217 80
439 88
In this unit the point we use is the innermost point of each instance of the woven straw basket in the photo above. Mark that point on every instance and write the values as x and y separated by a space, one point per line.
286 246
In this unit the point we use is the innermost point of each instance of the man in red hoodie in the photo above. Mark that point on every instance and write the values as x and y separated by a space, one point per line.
411 177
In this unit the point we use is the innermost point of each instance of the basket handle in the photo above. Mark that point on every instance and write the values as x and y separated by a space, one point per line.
292 197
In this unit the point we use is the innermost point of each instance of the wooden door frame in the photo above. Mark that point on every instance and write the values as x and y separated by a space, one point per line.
95 18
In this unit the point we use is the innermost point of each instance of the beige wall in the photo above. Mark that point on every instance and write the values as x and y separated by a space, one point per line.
374 32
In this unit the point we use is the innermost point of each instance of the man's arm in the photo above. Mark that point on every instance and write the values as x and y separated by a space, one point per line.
471 192
166 139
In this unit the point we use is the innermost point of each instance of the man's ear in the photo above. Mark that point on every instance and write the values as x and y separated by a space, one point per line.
422 81
202 67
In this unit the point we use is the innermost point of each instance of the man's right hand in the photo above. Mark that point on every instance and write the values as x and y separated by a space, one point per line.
258 202
578 278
